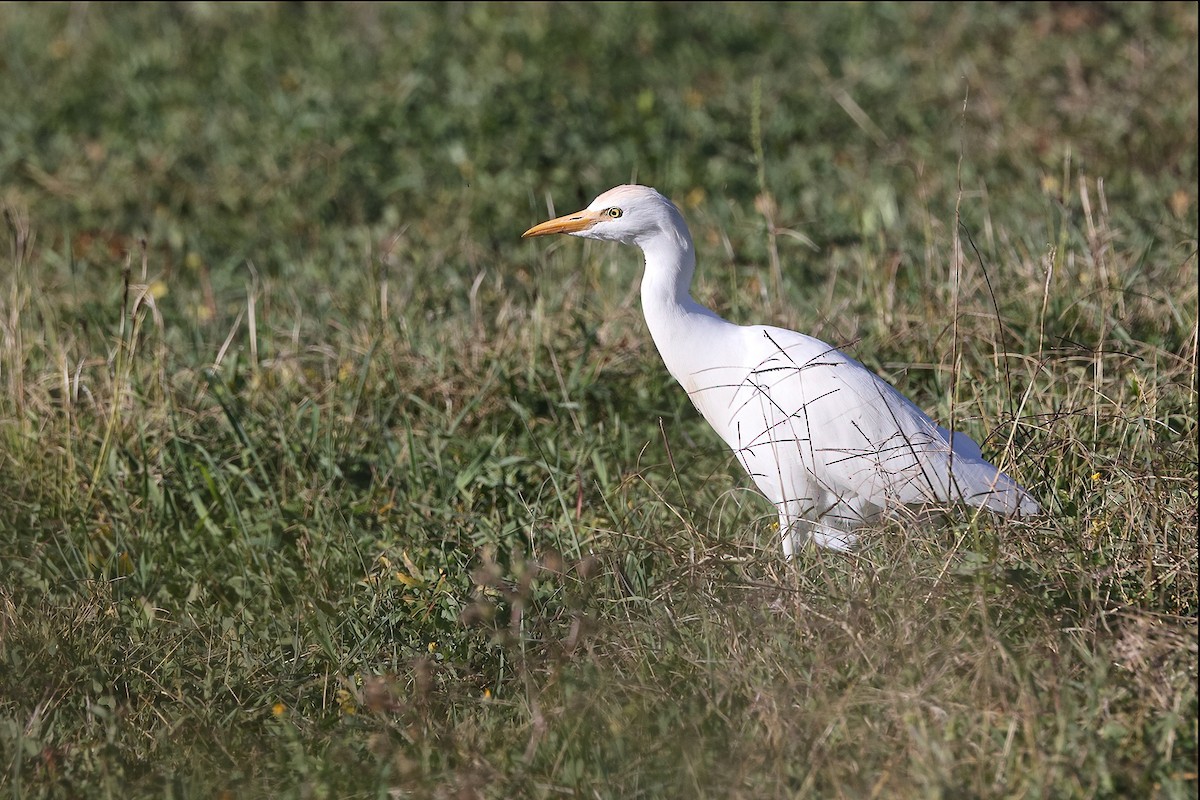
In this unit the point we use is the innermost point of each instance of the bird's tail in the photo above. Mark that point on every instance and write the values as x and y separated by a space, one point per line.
979 483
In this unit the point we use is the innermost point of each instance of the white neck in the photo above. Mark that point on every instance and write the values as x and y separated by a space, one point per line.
677 322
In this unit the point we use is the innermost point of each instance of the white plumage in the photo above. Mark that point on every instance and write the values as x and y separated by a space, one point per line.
831 444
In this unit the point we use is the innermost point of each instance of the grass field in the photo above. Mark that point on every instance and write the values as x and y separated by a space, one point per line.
317 481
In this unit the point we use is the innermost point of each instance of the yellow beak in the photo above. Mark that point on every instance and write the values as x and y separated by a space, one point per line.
571 223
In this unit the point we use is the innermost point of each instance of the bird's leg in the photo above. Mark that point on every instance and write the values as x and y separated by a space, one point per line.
786 536
795 531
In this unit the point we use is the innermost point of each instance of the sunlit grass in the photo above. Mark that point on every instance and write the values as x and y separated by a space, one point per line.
316 481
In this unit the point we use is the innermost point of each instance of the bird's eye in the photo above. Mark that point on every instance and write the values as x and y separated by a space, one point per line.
613 212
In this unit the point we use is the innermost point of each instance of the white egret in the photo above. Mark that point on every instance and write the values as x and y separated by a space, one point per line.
827 441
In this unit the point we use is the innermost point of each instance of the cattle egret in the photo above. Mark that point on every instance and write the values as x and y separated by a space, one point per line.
827 441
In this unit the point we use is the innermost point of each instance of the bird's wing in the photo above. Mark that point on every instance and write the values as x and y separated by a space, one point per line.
806 419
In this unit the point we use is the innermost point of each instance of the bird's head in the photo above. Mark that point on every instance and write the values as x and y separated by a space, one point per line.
628 214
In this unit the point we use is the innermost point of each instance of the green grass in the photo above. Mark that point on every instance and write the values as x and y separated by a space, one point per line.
317 481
